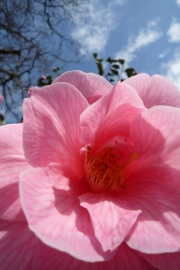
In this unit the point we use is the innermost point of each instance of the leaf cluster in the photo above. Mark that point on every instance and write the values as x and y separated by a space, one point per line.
116 71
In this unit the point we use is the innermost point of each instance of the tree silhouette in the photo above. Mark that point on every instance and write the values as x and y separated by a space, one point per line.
34 34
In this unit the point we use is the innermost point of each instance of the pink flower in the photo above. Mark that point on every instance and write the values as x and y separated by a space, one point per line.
1 99
97 169
29 92
43 77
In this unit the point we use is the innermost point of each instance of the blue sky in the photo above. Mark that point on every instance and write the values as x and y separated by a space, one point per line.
146 33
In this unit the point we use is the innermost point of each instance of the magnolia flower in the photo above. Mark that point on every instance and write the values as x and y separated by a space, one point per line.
90 180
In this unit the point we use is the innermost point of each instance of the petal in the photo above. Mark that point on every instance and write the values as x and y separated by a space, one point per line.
51 126
12 162
10 203
1 99
155 90
54 214
111 221
125 259
111 115
17 245
157 228
20 249
155 135
164 261
92 86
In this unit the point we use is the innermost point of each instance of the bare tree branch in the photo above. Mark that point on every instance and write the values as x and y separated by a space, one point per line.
34 36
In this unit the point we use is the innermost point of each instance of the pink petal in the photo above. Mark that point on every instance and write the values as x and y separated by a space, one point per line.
1 99
51 126
164 261
10 203
157 228
47 258
155 134
12 162
17 245
111 221
51 205
111 115
162 173
92 86
20 249
155 90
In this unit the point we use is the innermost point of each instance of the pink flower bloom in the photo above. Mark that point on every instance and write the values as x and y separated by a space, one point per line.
43 77
1 99
90 180
29 92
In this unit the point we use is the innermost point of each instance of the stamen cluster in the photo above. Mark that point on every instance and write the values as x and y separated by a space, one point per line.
104 170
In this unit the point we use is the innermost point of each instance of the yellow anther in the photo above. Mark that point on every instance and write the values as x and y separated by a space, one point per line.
105 170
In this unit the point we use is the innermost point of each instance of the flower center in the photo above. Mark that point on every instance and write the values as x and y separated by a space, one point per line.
105 170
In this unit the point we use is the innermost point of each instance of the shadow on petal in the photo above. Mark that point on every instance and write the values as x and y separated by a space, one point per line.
10 203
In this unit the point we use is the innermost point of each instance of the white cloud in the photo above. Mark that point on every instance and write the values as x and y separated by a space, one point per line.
116 2
153 23
163 54
171 69
178 2
145 37
174 31
94 30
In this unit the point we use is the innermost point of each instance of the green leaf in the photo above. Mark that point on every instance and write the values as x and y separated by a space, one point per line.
129 72
115 66
55 69
109 60
115 72
121 61
40 82
100 68
110 74
49 80
1 117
